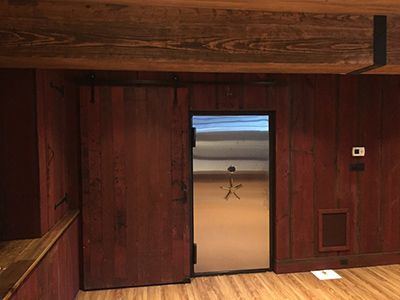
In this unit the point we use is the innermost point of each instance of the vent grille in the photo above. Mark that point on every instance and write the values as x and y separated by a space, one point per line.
333 230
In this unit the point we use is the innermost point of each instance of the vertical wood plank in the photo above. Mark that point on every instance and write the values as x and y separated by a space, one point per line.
134 134
390 175
55 162
302 166
180 184
92 186
41 123
72 142
325 146
347 189
281 96
229 96
256 97
106 173
120 253
370 123
203 97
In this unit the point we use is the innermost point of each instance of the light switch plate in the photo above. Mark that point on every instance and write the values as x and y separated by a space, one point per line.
358 151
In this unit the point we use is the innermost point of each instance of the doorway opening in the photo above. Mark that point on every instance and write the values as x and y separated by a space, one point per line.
232 192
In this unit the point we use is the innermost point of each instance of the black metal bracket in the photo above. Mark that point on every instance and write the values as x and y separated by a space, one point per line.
62 200
380 46
194 254
59 89
193 137
175 81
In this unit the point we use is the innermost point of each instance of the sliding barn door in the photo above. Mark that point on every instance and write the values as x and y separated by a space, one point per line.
134 166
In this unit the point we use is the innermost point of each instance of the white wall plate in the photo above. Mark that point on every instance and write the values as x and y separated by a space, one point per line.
326 275
358 151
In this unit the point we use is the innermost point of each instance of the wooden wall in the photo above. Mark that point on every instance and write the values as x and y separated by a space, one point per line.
57 119
57 275
19 182
39 150
319 118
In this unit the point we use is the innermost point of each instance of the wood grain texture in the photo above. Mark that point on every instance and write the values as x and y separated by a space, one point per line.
370 181
19 259
325 147
57 275
135 185
283 241
364 283
346 183
393 43
74 34
52 131
39 158
369 7
301 147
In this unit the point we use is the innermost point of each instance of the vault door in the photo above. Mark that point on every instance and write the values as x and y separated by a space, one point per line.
231 193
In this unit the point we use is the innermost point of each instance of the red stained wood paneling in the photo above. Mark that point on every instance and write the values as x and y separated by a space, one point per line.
72 142
325 145
318 119
346 183
281 95
180 184
39 151
390 172
301 185
204 96
57 275
118 169
370 136
135 206
229 97
19 184
91 184
52 144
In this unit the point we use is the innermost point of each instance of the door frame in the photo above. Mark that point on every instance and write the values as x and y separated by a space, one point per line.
272 186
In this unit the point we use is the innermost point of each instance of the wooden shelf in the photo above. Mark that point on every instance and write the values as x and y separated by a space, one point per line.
19 257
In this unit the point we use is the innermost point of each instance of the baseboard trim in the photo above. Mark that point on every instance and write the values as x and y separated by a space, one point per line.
336 262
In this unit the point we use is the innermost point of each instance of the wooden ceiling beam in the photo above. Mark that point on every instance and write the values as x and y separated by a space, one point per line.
88 35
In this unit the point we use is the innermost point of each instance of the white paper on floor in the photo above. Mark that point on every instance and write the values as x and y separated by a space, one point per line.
326 274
